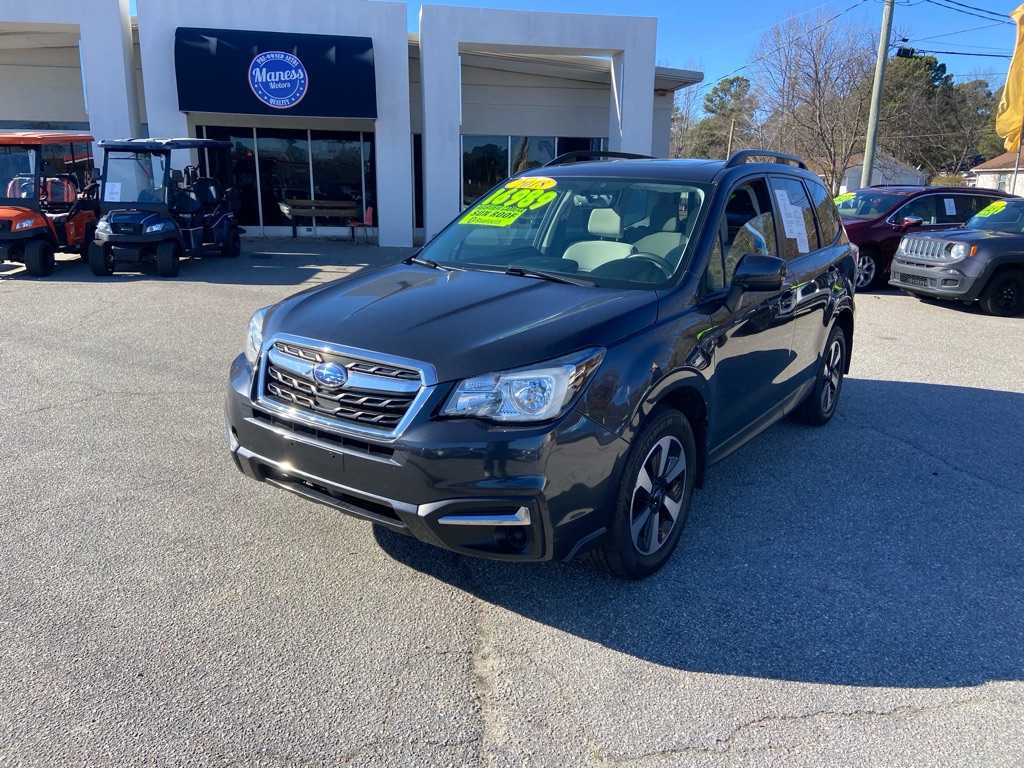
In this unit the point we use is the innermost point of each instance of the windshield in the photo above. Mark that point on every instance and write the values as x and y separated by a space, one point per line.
135 177
18 173
1002 216
606 231
867 203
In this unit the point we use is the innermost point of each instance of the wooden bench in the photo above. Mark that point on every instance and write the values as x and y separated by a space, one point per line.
343 210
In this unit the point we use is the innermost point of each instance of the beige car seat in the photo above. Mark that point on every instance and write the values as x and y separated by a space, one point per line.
590 254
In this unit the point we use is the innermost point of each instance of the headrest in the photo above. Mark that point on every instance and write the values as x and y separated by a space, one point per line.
665 214
60 191
605 222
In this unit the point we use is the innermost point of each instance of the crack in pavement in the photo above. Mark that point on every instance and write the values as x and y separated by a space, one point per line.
725 745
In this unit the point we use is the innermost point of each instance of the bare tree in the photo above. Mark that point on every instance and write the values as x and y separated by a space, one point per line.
685 114
809 71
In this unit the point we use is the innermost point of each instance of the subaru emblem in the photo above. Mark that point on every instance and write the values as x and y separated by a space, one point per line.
331 375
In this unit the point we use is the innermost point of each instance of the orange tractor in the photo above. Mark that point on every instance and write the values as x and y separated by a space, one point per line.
47 197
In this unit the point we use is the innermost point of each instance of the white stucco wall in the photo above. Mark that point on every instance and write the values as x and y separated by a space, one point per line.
444 31
106 52
383 22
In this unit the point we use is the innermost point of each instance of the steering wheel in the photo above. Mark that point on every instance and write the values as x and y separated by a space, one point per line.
661 263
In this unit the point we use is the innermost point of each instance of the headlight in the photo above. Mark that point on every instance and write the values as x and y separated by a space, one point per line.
537 393
254 336
103 226
25 224
158 227
958 250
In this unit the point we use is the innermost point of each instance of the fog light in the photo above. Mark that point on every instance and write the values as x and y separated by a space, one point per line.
949 282
517 538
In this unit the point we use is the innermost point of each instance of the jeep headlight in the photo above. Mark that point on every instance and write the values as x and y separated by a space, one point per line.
25 224
958 250
254 336
103 226
537 393
158 227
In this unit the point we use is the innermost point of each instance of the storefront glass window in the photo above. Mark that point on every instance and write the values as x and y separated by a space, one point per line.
284 172
531 152
484 164
241 172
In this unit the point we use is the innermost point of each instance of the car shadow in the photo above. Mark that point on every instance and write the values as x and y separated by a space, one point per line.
884 550
262 262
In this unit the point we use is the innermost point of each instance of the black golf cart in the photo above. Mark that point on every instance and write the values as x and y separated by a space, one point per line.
155 214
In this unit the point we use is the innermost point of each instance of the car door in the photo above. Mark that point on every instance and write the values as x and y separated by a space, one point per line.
811 251
752 344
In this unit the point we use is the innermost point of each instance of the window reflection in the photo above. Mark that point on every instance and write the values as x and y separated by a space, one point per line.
531 152
484 164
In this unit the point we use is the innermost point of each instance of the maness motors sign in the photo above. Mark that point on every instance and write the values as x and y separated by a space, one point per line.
244 72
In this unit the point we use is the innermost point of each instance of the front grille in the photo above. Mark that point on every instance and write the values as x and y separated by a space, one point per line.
5 226
376 395
924 248
906 279
126 229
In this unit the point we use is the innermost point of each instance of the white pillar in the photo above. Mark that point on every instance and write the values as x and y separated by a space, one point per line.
629 41
107 64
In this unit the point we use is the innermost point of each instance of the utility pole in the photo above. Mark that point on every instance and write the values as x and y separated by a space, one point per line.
728 149
876 95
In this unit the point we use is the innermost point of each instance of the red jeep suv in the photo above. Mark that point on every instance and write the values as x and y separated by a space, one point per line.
876 218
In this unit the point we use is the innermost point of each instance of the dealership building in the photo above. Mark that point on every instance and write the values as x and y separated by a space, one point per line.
332 106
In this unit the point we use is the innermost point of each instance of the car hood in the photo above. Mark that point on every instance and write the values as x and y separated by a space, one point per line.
464 323
134 216
13 211
965 235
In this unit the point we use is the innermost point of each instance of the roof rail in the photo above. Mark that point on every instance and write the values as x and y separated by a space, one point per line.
572 157
738 158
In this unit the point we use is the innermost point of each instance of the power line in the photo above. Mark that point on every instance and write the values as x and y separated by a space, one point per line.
976 8
786 45
959 32
939 4
962 53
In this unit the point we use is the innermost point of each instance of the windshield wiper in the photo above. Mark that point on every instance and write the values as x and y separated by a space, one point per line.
526 272
429 263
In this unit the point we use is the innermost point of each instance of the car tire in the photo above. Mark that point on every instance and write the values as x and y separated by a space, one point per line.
233 247
39 259
653 498
101 260
87 241
820 404
1003 294
870 269
168 259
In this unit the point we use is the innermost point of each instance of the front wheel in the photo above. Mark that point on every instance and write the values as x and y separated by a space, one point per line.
819 406
870 269
39 260
1003 295
653 500
233 247
168 257
101 259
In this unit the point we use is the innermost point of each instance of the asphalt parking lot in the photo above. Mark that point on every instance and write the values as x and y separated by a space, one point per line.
852 595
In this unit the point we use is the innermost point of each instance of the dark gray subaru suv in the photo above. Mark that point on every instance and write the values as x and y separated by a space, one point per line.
552 374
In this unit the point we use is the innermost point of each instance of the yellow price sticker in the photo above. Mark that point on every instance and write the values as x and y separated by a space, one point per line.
839 199
992 208
512 201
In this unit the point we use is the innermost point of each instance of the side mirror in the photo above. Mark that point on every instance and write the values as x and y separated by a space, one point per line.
755 272
908 222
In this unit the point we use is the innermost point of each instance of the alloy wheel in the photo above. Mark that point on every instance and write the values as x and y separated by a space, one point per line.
865 270
831 376
658 495
1010 295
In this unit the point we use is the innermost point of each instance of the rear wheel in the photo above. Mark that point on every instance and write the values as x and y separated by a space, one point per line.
653 499
39 259
233 247
168 256
1003 295
101 259
819 406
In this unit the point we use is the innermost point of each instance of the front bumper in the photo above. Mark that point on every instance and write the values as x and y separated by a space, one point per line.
950 280
524 493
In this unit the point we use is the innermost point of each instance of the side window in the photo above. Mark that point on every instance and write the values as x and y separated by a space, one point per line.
797 217
923 206
747 226
948 213
829 223
714 278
